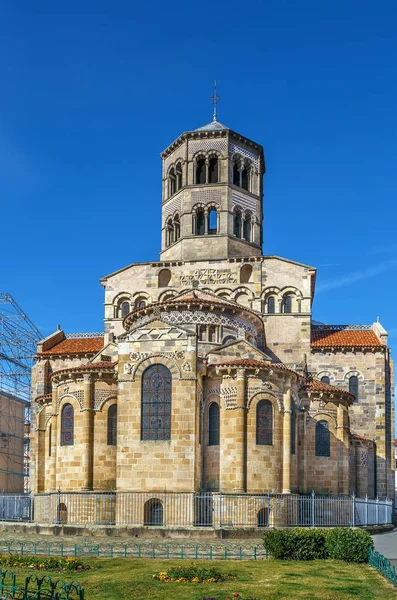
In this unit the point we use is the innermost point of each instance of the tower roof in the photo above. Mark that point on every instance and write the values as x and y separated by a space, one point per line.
213 126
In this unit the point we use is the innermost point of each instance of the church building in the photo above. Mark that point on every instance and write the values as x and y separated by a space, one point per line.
211 374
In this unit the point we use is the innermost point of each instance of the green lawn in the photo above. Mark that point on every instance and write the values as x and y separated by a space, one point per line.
131 579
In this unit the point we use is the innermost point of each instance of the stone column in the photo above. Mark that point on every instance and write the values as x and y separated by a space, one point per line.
342 433
86 441
51 485
232 439
287 443
205 221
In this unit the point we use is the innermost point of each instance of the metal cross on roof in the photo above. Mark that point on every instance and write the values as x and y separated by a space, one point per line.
214 99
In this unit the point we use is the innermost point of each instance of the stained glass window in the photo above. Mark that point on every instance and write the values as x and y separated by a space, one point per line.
112 425
125 309
271 305
156 403
353 386
264 423
67 425
213 424
323 440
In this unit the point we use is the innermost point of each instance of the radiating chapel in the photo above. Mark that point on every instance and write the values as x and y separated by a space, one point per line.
211 373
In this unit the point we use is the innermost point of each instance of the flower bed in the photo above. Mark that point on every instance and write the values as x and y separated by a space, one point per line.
43 562
193 574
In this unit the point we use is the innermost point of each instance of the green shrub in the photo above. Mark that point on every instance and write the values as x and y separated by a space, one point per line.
350 545
192 574
296 544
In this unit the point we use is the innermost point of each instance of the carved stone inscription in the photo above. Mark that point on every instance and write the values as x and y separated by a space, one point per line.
209 276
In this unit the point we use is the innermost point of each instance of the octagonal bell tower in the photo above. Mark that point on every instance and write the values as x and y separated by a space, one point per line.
212 195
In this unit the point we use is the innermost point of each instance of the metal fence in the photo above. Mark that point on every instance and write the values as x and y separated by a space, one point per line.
191 509
383 565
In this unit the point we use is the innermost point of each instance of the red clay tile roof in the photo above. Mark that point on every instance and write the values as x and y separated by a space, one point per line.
99 366
251 362
359 437
76 346
327 338
319 386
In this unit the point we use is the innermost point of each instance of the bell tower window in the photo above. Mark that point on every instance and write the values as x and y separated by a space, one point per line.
178 174
245 179
213 170
247 227
172 182
236 174
200 223
201 171
212 221
237 222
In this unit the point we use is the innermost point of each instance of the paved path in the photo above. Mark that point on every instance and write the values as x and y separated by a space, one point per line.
386 544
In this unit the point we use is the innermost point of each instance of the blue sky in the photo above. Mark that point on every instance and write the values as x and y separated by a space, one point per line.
92 92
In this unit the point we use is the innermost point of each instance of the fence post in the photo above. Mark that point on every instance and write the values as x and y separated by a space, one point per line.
366 509
165 508
313 509
377 511
59 505
111 507
353 509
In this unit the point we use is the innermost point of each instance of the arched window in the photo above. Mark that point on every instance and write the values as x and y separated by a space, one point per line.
353 386
112 425
271 305
177 228
325 379
245 178
213 170
200 223
286 305
140 303
125 309
212 221
67 425
228 339
264 423
247 227
323 439
172 182
200 171
245 274
263 517
156 403
236 174
164 278
153 512
169 233
213 424
62 513
237 223
293 429
178 174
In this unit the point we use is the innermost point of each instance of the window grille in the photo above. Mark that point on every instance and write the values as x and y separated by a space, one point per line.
67 425
112 425
353 386
213 424
323 439
156 403
264 423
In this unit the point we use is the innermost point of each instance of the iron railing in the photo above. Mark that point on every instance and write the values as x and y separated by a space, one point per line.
36 587
195 509
383 565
